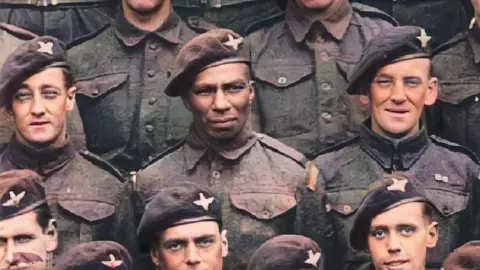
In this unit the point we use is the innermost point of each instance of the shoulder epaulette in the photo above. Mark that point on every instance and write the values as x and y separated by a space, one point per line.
270 20
452 42
105 165
454 147
369 11
338 146
199 24
282 149
89 36
165 153
17 31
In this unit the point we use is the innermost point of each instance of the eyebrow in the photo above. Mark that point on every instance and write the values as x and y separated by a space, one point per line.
184 240
42 86
230 83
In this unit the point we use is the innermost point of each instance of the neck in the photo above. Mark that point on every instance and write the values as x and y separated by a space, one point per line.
59 142
150 21
395 136
335 12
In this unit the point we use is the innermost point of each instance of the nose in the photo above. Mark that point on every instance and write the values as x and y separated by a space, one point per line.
221 102
393 243
38 106
398 94
192 256
11 257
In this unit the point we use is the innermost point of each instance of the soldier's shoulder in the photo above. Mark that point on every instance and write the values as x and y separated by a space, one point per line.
17 31
265 23
99 166
339 148
199 24
164 157
373 13
281 149
453 147
84 41
457 40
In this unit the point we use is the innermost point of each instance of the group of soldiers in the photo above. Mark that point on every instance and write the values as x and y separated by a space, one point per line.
239 134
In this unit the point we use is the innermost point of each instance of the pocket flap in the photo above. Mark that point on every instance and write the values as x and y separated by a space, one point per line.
448 202
345 202
456 91
263 205
100 85
283 76
89 210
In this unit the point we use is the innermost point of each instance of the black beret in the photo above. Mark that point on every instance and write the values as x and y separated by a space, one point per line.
95 255
212 48
28 59
390 46
466 257
20 192
396 191
177 205
287 252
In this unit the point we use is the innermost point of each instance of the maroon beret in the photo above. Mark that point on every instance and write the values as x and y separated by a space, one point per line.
28 59
177 205
287 252
464 257
212 48
95 255
393 44
20 192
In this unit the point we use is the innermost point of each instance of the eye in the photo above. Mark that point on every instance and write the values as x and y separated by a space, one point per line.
22 95
407 230
412 83
174 246
205 242
236 87
23 239
378 234
50 94
383 82
203 91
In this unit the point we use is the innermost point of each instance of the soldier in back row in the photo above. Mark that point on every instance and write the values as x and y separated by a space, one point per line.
395 73
88 197
127 119
304 59
258 179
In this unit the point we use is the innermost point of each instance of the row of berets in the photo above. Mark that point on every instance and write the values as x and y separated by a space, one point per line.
260 158
182 229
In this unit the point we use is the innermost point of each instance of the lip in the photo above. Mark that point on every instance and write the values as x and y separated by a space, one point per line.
39 123
396 264
397 110
224 122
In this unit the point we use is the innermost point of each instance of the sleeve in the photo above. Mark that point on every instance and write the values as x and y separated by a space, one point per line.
474 207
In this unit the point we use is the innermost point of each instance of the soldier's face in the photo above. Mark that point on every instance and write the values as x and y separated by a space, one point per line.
220 100
198 246
144 6
40 107
398 94
315 4
399 238
24 244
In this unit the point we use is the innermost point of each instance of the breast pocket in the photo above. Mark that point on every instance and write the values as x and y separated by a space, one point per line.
286 96
106 113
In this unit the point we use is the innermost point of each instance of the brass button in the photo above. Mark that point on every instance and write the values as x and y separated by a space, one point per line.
152 101
324 56
149 128
153 46
326 116
477 99
326 86
169 137
282 80
347 209
265 214
95 92
328 207
150 73
216 174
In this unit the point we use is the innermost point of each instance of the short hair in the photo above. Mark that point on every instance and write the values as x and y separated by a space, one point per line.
44 215
429 213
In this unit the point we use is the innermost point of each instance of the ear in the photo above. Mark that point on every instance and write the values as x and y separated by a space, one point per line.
224 239
432 91
52 235
252 91
432 235
154 254
71 98
186 102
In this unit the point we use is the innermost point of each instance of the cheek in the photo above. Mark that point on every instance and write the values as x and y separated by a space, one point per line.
172 260
417 97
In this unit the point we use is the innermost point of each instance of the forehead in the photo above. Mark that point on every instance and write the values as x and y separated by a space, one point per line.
52 76
22 224
223 74
412 67
411 213
192 230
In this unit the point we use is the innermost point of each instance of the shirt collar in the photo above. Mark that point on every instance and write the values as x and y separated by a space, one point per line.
44 161
335 20
474 40
130 35
387 152
199 144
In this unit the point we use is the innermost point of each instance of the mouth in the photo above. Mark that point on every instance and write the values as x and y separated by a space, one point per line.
395 264
39 123
223 122
397 111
